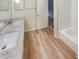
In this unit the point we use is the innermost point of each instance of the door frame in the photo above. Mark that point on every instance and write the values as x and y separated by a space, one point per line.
56 19
55 5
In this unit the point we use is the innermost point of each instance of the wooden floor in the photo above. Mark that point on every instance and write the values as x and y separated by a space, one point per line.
41 44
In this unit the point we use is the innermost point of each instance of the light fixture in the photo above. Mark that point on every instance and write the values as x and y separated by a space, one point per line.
17 1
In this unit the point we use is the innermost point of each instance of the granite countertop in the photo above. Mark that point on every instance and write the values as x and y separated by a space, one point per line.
10 35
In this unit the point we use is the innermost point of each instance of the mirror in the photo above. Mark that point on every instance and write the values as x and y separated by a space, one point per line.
19 5
4 5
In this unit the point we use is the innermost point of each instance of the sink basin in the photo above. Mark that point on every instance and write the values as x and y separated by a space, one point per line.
9 36
8 41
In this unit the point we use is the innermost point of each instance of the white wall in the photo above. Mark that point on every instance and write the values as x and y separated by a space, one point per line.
66 15
5 14
63 20
17 13
74 15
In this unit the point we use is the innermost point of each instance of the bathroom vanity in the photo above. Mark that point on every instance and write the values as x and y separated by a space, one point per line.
11 42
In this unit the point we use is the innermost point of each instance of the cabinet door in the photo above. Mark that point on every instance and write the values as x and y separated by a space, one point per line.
30 22
42 14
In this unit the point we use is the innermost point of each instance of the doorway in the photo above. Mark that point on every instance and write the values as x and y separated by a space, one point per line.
50 14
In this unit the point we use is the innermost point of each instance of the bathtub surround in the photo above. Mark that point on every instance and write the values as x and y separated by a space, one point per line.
69 36
14 48
67 18
74 15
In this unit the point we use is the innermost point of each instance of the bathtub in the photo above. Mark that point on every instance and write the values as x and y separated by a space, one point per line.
70 38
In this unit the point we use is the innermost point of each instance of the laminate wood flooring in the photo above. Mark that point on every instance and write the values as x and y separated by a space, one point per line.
41 44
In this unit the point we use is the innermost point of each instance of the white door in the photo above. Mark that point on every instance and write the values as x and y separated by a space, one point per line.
30 22
30 11
42 14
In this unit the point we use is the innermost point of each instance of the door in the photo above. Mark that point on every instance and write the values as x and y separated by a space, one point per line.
30 22
42 14
30 14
